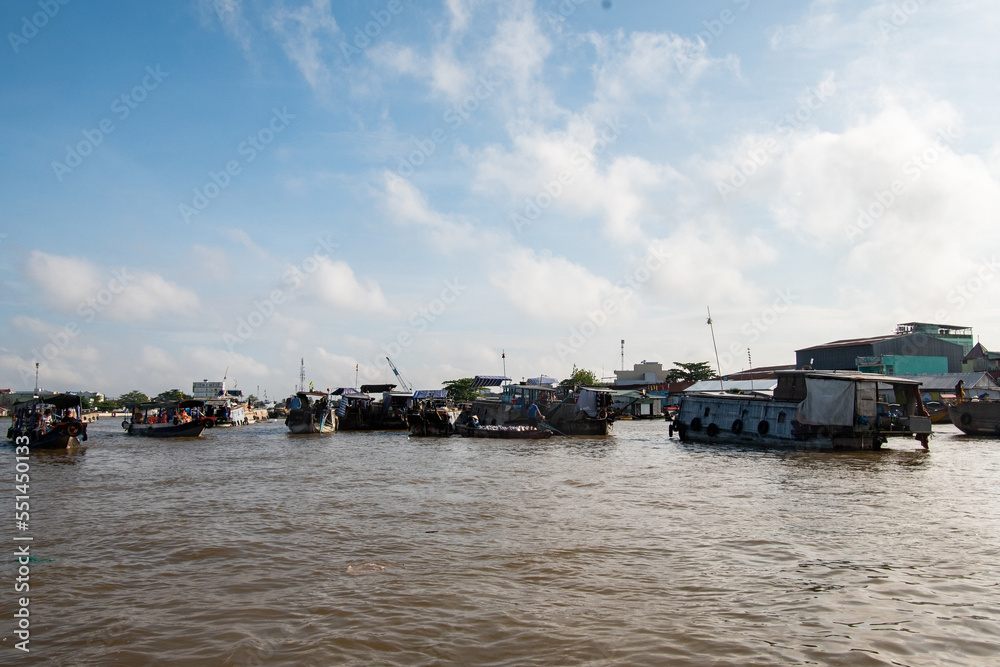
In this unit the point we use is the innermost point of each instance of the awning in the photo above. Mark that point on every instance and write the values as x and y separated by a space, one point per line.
489 380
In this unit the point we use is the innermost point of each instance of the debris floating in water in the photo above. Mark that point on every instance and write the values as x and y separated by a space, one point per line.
364 569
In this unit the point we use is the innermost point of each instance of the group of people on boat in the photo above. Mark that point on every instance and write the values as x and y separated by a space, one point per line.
163 416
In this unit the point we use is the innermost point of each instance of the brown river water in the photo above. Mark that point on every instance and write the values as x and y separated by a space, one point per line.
250 546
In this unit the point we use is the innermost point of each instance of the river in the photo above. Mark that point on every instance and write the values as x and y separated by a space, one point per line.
251 546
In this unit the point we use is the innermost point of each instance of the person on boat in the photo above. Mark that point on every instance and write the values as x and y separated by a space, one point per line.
534 414
47 420
960 391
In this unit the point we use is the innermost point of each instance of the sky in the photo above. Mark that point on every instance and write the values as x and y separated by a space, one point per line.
224 188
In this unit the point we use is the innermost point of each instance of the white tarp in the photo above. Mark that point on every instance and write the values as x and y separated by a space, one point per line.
587 402
827 402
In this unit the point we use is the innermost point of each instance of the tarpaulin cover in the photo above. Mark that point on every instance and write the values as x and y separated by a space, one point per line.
587 402
827 403
422 394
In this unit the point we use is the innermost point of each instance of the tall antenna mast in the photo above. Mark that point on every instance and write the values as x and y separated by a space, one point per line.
503 356
750 361
302 374
623 354
36 378
718 366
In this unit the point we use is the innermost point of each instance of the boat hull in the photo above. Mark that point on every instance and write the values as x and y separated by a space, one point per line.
564 419
504 432
767 423
976 417
191 429
434 422
50 440
302 422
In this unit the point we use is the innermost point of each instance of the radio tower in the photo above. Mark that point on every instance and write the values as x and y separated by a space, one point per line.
302 375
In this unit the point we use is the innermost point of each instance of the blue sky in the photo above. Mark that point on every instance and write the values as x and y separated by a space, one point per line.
198 186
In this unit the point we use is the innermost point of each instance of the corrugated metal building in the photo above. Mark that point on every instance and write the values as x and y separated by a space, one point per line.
893 354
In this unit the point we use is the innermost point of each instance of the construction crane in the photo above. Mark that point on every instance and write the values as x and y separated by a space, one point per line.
402 382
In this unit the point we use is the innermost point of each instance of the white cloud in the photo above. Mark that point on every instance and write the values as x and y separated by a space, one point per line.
306 33
550 288
407 206
230 14
213 264
335 284
646 70
124 294
571 173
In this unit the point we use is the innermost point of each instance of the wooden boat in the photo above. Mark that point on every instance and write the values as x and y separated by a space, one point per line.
227 410
570 411
390 413
49 422
938 412
976 417
432 414
814 409
310 412
172 419
504 432
355 411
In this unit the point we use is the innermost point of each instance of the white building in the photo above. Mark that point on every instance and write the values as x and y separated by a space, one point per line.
204 390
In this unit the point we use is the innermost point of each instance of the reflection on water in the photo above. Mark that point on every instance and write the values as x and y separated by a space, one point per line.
250 546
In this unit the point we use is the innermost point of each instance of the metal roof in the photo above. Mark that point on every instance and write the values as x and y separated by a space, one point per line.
732 385
489 380
851 342
947 381
851 375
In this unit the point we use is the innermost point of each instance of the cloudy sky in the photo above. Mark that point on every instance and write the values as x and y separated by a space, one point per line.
196 186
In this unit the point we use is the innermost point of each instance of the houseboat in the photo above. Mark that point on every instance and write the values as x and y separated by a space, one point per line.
826 410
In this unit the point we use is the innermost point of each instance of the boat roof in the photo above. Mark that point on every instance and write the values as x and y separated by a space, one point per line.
186 403
60 401
489 380
947 381
430 393
849 375
533 387
310 393
762 384
376 388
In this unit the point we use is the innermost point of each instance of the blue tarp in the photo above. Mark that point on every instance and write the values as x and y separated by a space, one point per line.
423 394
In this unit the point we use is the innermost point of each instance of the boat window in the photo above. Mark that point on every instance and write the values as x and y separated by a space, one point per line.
706 411
781 417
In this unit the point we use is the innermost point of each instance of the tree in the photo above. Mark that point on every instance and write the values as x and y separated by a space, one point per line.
171 395
134 396
690 372
462 390
582 377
